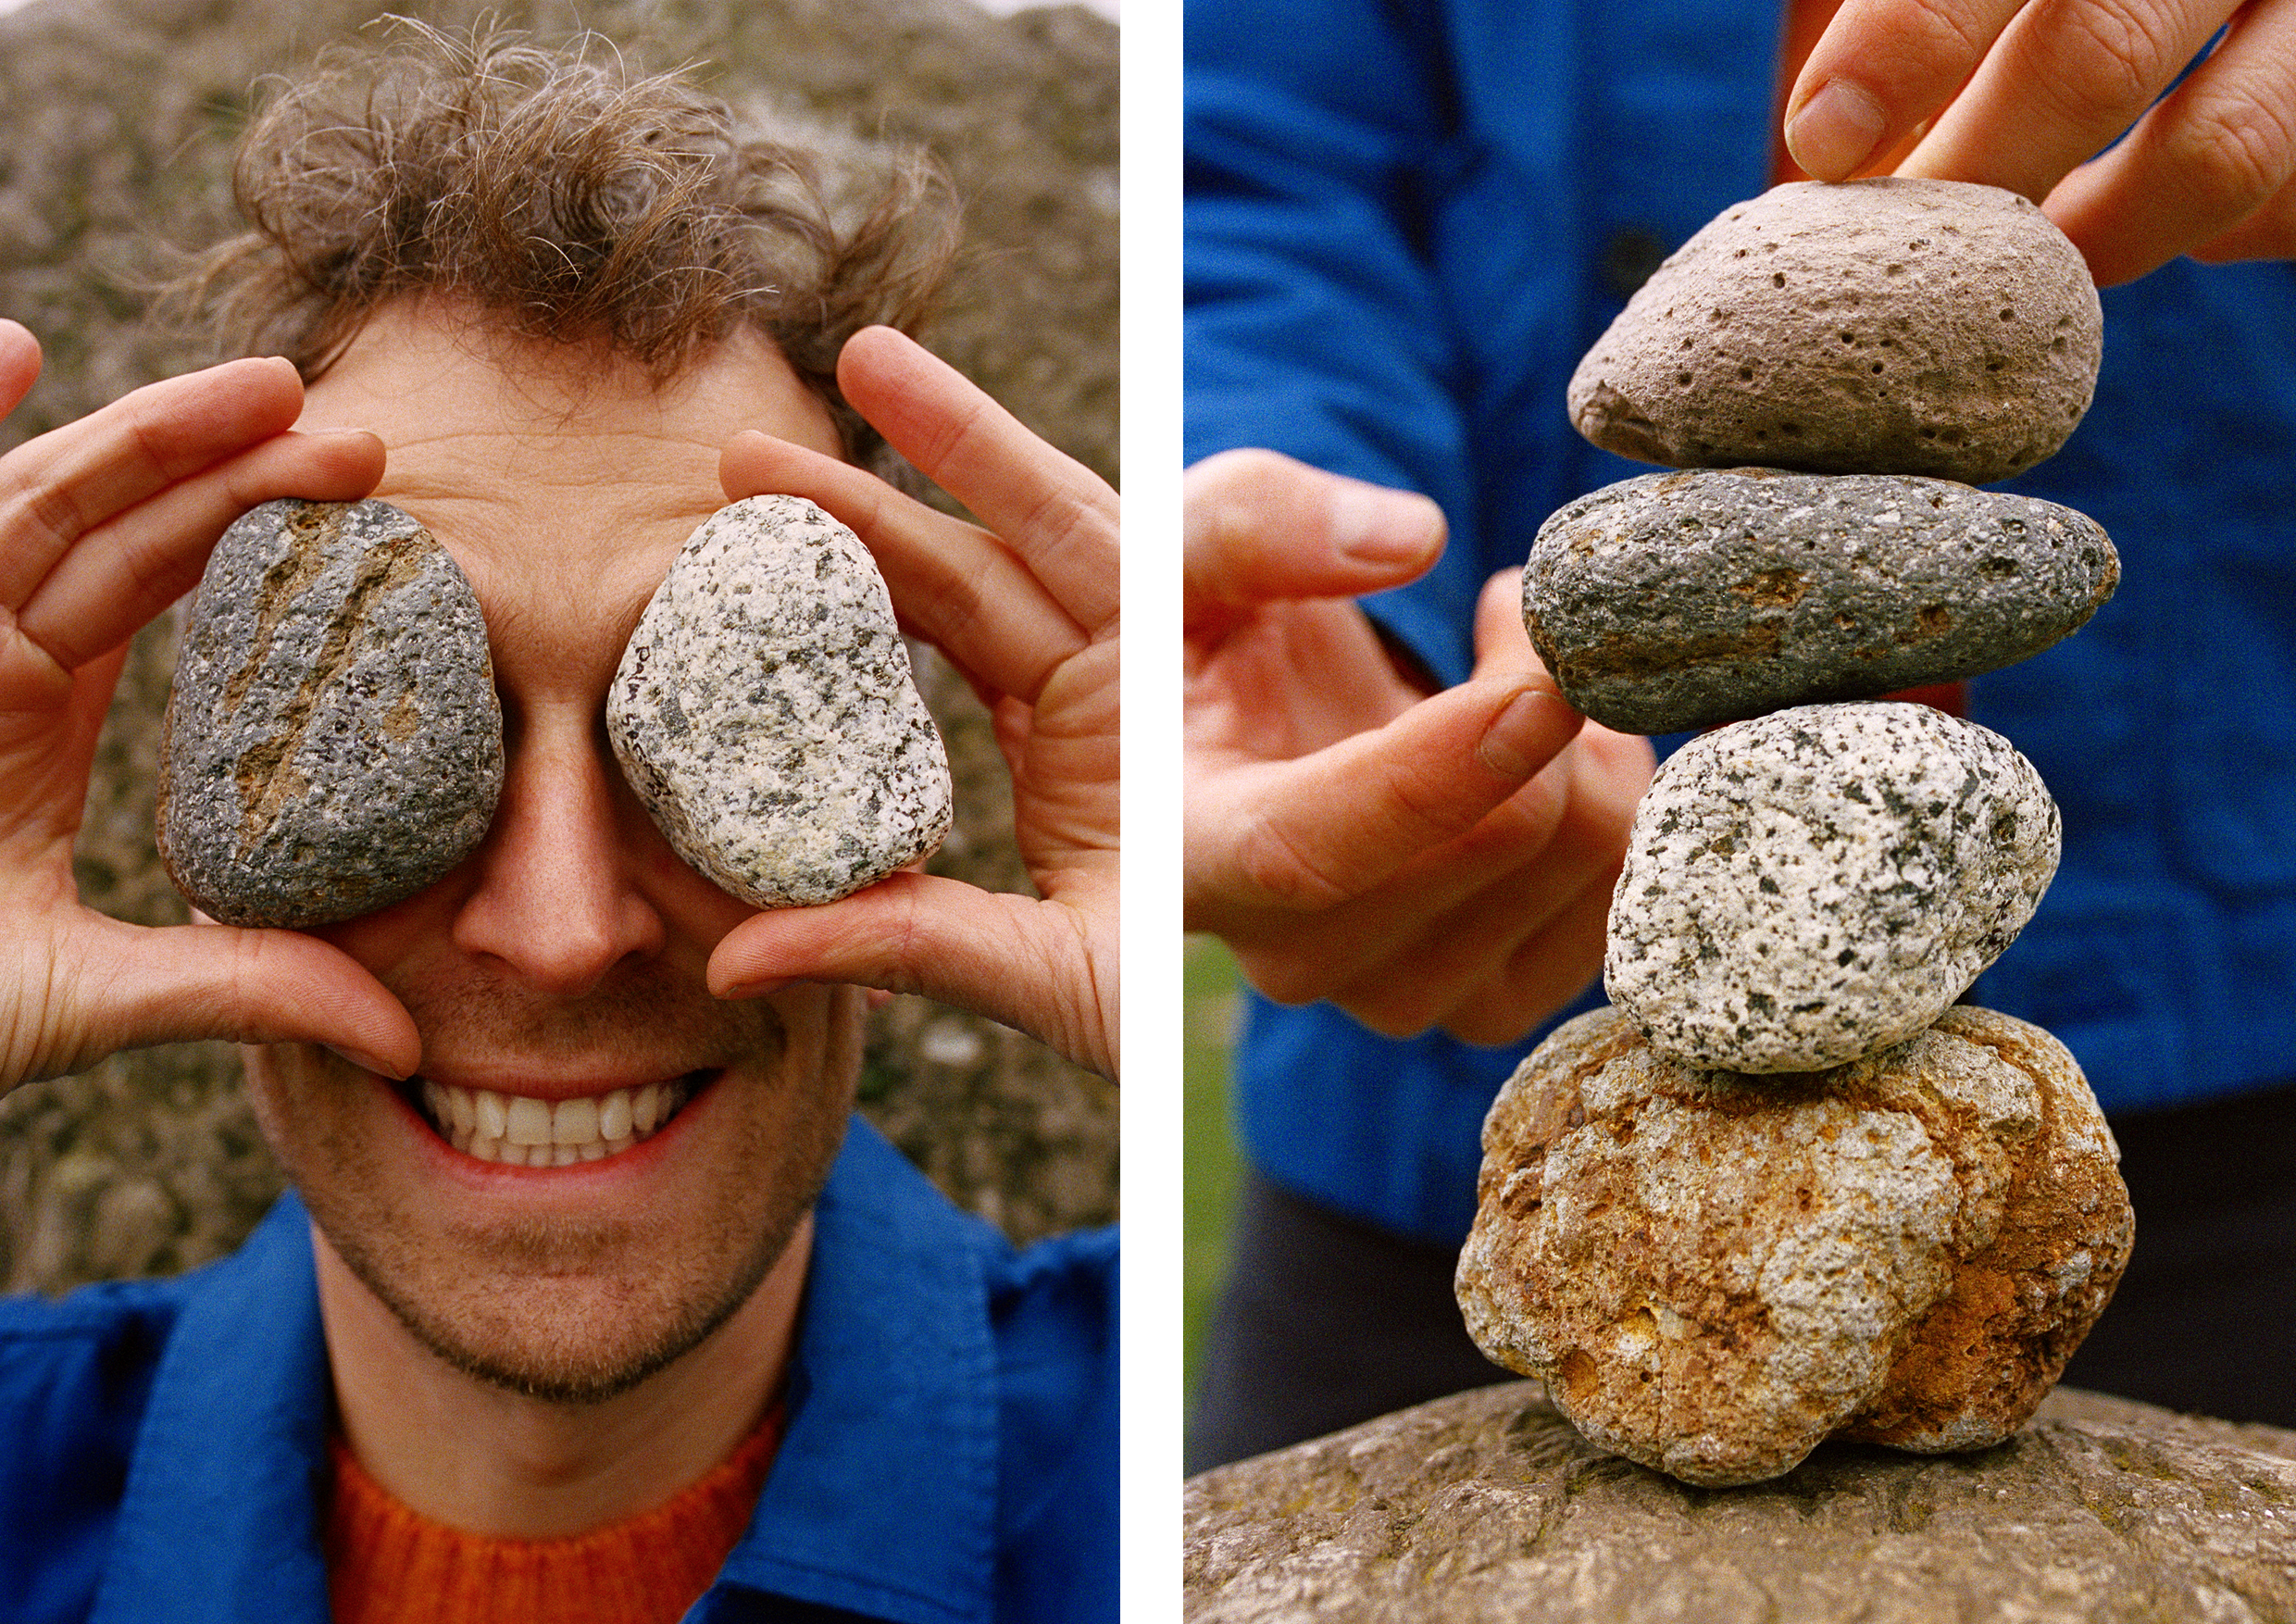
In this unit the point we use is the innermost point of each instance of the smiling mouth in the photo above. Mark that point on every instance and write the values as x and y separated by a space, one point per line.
520 1132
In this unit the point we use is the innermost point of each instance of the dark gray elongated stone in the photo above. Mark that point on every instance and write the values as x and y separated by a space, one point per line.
1675 601
765 713
1810 886
1888 325
333 742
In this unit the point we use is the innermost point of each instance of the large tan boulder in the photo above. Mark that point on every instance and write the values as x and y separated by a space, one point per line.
1713 1272
1488 1505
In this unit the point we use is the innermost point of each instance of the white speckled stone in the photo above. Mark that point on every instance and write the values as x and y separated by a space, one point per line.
765 713
1813 884
1890 325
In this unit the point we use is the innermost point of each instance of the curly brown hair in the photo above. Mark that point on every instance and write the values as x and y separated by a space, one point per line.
573 202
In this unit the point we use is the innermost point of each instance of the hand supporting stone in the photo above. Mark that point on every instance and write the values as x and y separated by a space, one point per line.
1027 609
1418 860
102 524
2019 95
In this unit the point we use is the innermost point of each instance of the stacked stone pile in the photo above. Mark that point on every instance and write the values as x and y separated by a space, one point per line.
1785 1188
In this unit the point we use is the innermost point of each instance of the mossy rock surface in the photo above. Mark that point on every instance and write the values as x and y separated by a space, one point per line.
1488 1506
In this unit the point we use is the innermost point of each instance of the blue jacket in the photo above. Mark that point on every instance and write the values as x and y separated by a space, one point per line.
1407 221
950 1455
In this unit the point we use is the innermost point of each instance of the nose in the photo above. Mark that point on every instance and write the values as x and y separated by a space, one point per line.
554 901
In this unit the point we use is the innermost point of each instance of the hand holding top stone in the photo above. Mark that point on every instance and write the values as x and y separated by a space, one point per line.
2019 96
102 524
1026 605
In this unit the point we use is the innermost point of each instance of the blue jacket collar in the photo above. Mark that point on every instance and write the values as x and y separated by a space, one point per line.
220 1521
882 1497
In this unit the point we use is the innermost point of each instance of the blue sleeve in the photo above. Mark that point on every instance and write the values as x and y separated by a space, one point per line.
1055 1316
1317 131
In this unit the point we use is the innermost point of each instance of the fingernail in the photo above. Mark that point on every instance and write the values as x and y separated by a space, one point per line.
1836 129
367 1062
1517 743
757 989
1376 525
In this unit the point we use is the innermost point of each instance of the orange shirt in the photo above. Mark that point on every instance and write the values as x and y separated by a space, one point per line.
386 1565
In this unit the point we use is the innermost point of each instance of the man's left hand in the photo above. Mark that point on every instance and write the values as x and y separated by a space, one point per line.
1027 609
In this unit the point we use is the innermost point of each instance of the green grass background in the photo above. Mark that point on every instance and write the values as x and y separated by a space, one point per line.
1208 994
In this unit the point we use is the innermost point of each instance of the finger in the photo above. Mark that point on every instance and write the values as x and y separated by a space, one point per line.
54 490
127 570
200 982
1879 68
1012 959
1522 852
2269 234
953 583
19 364
1261 528
1053 511
1543 973
1501 643
1322 830
2208 155
2065 78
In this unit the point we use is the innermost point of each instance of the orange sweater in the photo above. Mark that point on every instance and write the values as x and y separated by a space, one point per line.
386 1565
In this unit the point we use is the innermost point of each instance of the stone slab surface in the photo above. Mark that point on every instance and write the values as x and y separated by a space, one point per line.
333 741
1883 326
764 711
1713 1273
1675 601
1489 1509
1817 883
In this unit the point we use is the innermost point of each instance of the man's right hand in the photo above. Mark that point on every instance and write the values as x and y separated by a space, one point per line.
1420 861
103 524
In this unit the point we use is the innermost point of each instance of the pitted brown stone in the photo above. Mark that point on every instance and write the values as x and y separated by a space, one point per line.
1889 325
1715 1272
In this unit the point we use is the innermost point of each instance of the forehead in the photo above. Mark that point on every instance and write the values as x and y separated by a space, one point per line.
562 480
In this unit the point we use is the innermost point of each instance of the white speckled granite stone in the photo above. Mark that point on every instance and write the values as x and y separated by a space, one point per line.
765 713
1890 325
1812 885
332 742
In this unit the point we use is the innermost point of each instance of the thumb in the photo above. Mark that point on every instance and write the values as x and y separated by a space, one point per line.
1261 528
193 982
1315 832
1029 964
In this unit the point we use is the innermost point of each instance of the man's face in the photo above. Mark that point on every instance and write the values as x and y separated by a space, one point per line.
564 960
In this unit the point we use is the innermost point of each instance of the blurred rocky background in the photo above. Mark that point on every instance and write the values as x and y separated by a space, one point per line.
116 119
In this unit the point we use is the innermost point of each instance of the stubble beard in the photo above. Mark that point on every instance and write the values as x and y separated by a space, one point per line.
567 1309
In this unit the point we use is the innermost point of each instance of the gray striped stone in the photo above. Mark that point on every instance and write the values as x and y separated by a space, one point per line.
332 742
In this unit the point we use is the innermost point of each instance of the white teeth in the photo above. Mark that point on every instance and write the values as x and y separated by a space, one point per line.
529 1121
519 1131
574 1122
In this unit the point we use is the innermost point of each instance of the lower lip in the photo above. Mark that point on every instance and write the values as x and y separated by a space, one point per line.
635 1161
